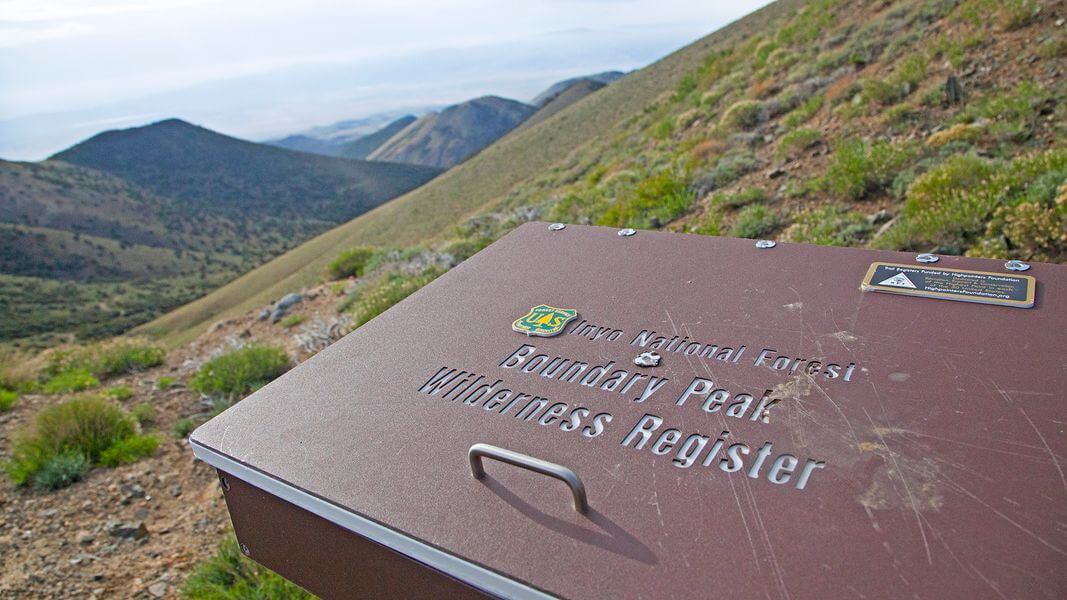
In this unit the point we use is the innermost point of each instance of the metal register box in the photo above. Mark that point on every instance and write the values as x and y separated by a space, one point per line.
507 431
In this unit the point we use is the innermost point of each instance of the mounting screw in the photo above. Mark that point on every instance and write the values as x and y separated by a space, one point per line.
627 232
557 226
225 483
766 243
1016 265
926 257
245 550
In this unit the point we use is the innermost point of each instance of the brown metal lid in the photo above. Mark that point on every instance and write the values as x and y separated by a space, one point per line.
879 445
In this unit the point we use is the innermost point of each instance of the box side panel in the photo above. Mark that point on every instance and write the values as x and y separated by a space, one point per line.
327 559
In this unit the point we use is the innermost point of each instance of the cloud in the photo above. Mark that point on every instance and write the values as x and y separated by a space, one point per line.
21 35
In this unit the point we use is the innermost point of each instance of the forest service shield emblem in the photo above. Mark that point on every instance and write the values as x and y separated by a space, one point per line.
544 320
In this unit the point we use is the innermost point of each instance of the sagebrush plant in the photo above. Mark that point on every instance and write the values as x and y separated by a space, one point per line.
292 320
129 450
754 221
106 359
183 427
385 291
88 427
350 263
71 380
857 167
228 574
829 226
236 374
653 202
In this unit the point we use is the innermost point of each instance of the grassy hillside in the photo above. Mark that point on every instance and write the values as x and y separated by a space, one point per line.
916 125
449 137
222 175
433 210
566 97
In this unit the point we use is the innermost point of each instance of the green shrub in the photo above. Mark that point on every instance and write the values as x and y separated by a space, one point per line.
235 375
86 426
951 204
107 359
1016 14
129 450
61 470
754 221
350 263
796 141
727 170
72 380
653 202
119 392
228 574
741 198
165 383
291 321
183 427
381 294
743 114
857 168
144 413
829 226
7 399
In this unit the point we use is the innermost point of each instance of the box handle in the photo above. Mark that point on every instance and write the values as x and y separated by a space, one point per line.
477 451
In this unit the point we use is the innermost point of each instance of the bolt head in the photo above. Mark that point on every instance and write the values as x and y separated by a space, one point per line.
1016 265
627 232
557 226
245 550
766 243
926 257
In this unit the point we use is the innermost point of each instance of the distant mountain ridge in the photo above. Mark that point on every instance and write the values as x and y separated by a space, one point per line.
363 146
451 136
130 223
559 87
226 175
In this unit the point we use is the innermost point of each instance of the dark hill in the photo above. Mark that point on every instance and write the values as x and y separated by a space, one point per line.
364 146
240 179
451 136
306 143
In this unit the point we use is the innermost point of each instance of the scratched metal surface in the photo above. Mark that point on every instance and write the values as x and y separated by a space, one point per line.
944 456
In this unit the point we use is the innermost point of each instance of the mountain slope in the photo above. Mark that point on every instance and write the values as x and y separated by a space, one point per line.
559 87
304 143
451 136
223 175
425 213
363 146
571 94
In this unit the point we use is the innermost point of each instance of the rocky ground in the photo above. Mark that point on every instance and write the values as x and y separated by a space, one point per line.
137 531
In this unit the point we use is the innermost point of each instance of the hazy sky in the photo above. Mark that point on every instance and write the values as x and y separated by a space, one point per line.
260 69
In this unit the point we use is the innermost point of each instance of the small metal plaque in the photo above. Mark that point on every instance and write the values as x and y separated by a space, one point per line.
983 287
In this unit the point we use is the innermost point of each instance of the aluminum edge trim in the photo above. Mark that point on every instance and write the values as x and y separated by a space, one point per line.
465 571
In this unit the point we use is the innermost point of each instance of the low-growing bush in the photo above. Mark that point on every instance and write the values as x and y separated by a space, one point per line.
379 295
236 374
743 197
803 113
349 263
65 439
796 141
7 399
106 359
119 392
743 114
652 202
727 170
1016 14
960 132
71 380
829 226
61 470
228 574
856 168
290 321
754 221
165 383
144 413
129 450
183 427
